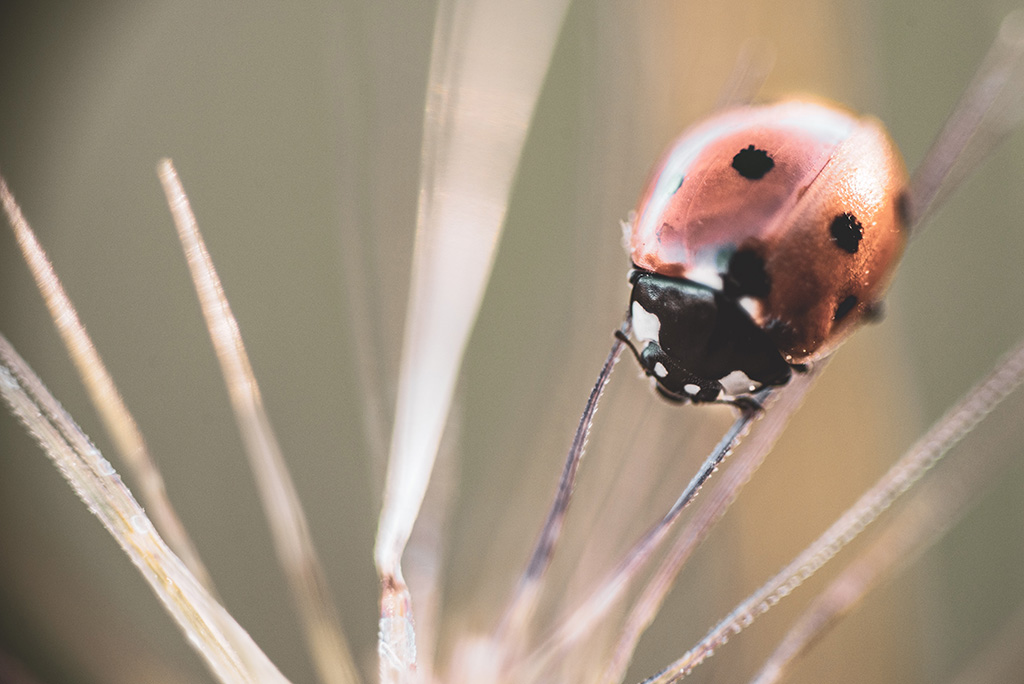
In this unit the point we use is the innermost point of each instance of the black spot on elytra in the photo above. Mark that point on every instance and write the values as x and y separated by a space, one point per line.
903 209
847 232
746 276
844 308
752 163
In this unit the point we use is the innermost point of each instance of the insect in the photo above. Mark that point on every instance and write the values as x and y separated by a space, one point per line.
764 237
385 188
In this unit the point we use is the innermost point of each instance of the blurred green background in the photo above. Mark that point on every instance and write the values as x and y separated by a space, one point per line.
296 130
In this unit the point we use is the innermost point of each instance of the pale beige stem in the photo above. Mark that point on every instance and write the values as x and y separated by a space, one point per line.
949 430
228 650
488 62
933 510
325 638
116 418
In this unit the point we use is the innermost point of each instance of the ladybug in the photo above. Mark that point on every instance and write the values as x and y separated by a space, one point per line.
764 237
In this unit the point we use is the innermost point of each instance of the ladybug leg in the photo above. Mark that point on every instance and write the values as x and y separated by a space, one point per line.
622 336
751 406
672 381
748 406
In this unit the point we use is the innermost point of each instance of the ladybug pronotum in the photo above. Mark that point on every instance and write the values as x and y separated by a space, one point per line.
765 236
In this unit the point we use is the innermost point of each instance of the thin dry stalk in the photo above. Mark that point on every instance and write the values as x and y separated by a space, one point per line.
949 430
753 65
427 547
590 611
989 109
515 623
482 89
118 421
292 541
934 508
226 648
714 506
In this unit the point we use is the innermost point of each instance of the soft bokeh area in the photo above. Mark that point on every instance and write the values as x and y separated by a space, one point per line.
296 131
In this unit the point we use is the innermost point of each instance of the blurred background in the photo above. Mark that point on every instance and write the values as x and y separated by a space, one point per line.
296 130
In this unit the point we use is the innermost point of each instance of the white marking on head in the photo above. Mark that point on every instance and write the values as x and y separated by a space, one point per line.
646 326
691 389
737 382
754 308
705 275
660 370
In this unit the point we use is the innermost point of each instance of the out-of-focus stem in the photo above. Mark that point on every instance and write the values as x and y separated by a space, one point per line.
112 410
947 431
934 508
325 639
228 650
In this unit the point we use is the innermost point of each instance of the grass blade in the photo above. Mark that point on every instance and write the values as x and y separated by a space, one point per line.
103 393
292 541
990 109
714 506
928 450
227 649
935 507
482 90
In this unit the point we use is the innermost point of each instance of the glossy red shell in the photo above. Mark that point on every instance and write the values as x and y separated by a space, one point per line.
698 210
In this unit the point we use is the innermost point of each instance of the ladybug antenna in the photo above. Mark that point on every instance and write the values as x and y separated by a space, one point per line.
990 108
588 614
523 602
515 621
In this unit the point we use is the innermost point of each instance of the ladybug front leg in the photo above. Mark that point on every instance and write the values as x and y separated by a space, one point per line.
673 382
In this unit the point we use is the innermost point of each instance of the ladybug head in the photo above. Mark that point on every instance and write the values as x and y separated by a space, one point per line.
697 343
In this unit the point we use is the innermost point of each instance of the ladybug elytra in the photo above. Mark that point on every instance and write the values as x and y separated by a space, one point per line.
766 234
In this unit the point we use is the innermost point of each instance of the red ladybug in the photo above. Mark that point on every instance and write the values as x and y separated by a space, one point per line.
765 236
